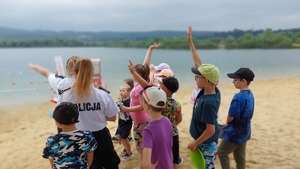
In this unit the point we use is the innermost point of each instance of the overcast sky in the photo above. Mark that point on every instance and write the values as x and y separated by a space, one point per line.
149 15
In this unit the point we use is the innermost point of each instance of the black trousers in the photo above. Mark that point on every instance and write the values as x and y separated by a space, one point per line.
105 155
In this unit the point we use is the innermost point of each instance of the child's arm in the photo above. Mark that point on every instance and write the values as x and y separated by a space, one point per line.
146 159
136 76
151 75
149 53
208 132
178 117
90 157
131 109
196 58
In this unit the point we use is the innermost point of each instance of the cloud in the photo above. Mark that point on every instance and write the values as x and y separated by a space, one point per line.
148 15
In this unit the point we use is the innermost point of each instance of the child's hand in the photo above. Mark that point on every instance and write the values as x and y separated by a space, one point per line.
154 46
131 67
152 68
192 146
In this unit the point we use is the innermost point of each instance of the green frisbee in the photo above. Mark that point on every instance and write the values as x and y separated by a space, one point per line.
197 159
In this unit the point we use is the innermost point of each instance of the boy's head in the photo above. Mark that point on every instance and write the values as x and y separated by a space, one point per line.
170 83
208 71
242 73
154 96
66 113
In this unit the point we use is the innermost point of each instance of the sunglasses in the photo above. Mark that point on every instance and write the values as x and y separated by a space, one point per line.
197 77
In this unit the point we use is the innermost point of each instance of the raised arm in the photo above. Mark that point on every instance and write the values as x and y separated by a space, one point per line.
136 76
196 57
43 71
147 59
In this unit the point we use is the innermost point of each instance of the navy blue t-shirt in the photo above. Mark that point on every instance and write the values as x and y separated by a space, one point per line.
205 110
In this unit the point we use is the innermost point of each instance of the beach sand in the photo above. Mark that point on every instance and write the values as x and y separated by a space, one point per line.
275 128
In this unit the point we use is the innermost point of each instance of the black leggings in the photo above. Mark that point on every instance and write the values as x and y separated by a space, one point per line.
105 155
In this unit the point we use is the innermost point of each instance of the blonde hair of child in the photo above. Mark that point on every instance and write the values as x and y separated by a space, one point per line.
71 63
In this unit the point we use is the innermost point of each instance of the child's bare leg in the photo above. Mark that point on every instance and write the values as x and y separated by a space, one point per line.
126 145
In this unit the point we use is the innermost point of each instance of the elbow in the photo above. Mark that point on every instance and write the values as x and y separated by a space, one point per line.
113 118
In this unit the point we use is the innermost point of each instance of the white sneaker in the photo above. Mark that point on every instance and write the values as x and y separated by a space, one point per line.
127 156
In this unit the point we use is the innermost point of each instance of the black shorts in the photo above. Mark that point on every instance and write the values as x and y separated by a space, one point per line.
105 155
175 149
124 129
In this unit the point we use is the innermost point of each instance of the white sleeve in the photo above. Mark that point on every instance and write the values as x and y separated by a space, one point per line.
111 107
54 81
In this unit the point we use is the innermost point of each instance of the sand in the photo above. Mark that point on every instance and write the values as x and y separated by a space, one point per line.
275 128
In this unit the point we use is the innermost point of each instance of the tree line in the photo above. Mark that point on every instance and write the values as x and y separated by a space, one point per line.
236 39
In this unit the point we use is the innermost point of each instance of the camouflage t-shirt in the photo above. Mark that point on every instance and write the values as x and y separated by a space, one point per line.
69 149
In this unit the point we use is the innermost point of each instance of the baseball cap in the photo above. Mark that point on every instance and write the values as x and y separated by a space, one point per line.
242 73
164 73
161 67
154 96
171 83
209 71
65 113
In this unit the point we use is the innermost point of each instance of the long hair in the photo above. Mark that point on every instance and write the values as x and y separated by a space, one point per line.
70 64
84 75
143 71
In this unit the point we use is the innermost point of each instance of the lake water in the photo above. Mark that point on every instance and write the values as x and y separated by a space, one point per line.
19 84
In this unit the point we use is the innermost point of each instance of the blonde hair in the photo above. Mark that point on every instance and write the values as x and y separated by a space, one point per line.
130 83
84 76
71 63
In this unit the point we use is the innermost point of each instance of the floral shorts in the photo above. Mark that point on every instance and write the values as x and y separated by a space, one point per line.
138 132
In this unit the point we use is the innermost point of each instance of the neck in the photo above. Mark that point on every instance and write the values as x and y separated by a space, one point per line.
155 116
68 128
210 89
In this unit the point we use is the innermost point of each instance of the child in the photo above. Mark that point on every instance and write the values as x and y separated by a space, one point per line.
204 126
157 136
124 120
237 130
172 110
71 148
139 116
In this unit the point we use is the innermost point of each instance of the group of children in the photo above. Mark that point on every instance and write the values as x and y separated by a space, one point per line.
151 108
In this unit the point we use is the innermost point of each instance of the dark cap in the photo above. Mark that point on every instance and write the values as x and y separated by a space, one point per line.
195 70
66 113
171 84
242 73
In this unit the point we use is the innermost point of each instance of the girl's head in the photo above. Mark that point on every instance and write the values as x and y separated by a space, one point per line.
70 64
84 72
143 71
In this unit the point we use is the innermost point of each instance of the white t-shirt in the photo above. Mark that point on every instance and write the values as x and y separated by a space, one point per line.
94 110
59 83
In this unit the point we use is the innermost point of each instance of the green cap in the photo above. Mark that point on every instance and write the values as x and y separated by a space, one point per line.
210 72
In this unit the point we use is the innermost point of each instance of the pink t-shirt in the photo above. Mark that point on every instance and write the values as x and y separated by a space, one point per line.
141 116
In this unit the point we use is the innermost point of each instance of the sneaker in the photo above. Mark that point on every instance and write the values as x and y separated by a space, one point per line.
180 160
114 139
124 152
127 157
129 138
